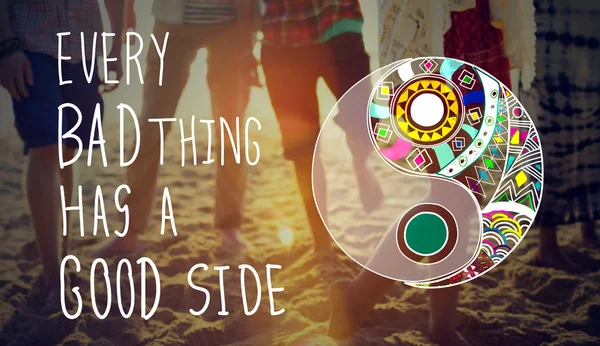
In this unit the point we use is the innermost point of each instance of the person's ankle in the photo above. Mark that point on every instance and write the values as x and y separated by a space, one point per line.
548 249
444 334
51 282
322 248
442 326
229 231
119 246
130 238
360 164
232 240
346 317
588 231
439 330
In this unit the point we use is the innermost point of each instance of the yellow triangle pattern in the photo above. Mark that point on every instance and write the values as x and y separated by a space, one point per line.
515 138
403 97
454 108
403 126
399 112
452 121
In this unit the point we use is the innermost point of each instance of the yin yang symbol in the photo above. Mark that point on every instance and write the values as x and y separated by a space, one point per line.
428 171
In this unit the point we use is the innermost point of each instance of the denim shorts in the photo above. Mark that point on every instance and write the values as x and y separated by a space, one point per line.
36 117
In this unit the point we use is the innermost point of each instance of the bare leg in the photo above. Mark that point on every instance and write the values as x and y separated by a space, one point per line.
227 78
442 320
589 236
550 255
359 143
159 102
304 172
67 179
352 300
44 202
350 65
370 191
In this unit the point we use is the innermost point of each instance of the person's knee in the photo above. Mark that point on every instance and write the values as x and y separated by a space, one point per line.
43 161
46 154
68 153
231 148
153 132
300 149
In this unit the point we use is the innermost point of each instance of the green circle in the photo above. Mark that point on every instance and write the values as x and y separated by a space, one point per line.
426 234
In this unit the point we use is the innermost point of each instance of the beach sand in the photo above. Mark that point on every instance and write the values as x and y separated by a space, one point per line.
517 303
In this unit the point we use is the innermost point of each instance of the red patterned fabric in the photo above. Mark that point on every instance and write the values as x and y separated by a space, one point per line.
300 22
473 39
36 23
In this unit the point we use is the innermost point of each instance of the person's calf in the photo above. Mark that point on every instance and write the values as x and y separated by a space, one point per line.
304 175
44 203
370 192
346 311
69 176
352 301
442 321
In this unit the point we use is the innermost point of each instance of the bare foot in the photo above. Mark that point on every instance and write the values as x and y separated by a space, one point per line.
588 235
48 293
52 302
232 240
345 316
370 192
556 259
119 247
445 336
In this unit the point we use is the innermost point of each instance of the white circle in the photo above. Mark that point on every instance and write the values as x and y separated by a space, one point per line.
427 109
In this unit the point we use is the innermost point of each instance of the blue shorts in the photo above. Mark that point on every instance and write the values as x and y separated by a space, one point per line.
36 117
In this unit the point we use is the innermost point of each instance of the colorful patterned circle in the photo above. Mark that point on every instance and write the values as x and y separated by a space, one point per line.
428 111
461 172
455 121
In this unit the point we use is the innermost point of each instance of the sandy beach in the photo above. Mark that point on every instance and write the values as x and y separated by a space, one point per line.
517 303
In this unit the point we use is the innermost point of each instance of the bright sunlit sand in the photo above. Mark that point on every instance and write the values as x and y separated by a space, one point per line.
286 236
